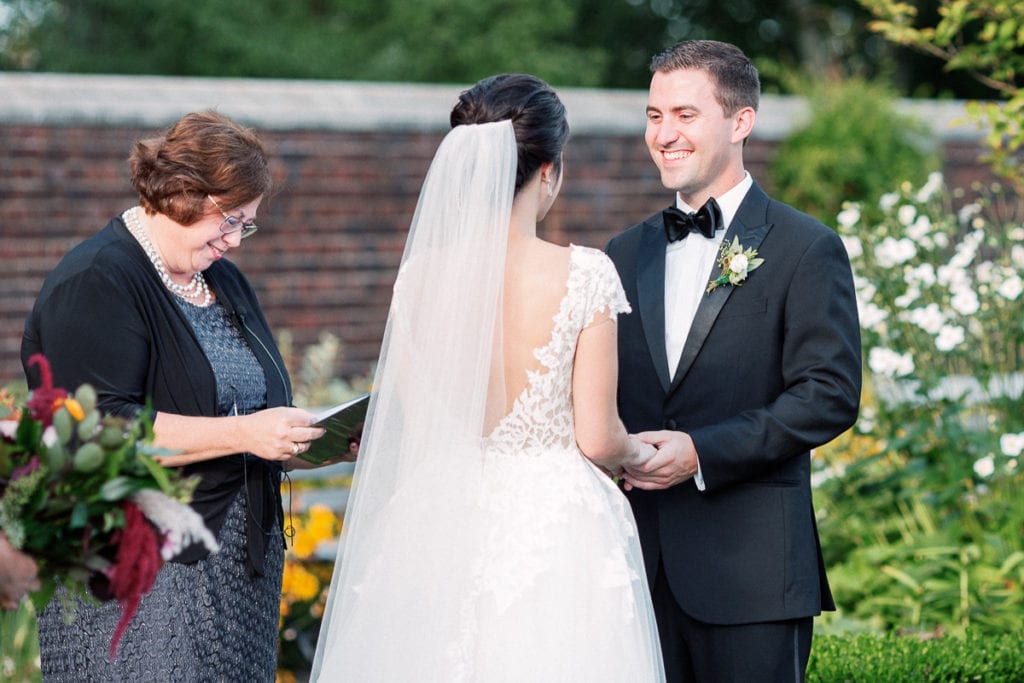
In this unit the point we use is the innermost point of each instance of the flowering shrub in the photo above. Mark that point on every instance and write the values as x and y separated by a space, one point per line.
926 523
304 588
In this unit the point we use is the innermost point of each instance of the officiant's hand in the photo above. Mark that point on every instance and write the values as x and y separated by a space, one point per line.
280 433
674 462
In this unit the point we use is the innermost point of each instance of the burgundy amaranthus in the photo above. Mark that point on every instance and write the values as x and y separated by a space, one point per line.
133 574
43 399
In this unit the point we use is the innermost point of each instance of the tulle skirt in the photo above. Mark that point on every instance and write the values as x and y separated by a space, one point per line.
536 576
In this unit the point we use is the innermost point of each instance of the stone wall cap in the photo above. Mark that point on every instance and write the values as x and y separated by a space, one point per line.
278 104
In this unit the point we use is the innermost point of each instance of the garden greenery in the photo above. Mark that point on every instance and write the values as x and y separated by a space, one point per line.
920 507
855 146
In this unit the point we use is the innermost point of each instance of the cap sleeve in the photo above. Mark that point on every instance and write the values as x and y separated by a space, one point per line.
601 294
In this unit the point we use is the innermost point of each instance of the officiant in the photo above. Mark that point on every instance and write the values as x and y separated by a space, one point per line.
152 312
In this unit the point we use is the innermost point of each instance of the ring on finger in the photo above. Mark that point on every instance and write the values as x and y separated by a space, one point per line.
295 448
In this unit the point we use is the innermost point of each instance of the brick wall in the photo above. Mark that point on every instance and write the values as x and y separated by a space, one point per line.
348 159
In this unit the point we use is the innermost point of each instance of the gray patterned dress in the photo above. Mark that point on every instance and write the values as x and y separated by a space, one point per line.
207 621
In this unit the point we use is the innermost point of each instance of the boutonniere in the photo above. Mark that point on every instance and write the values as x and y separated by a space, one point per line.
736 263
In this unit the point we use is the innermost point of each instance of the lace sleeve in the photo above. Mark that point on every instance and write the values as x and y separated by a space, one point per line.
602 297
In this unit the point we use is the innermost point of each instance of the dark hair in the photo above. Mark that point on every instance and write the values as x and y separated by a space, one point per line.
204 153
734 75
537 115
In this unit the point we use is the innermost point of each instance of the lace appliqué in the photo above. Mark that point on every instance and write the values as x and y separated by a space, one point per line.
537 483
541 416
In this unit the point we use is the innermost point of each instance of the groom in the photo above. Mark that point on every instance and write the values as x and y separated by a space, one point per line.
734 371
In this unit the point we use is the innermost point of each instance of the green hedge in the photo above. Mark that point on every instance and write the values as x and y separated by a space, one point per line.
869 658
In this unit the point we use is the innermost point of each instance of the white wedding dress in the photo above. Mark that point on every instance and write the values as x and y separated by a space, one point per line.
508 557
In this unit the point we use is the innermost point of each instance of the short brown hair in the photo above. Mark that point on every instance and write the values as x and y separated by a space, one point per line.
204 153
735 77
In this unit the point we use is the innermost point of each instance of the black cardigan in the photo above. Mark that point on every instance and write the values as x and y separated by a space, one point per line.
103 317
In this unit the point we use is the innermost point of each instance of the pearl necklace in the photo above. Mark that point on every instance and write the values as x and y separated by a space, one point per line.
195 289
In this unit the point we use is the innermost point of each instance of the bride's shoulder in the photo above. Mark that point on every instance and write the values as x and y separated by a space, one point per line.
591 259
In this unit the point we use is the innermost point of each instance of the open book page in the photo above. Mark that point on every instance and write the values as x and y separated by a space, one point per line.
342 422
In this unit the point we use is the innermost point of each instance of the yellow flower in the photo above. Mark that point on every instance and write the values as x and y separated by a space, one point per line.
298 583
73 407
322 524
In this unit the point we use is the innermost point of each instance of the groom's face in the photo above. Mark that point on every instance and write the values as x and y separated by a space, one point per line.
692 141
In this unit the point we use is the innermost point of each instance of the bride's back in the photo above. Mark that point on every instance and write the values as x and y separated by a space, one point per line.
536 275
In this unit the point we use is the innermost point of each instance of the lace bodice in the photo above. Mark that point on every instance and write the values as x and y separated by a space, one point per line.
541 416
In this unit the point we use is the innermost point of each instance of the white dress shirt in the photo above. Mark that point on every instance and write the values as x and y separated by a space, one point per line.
688 265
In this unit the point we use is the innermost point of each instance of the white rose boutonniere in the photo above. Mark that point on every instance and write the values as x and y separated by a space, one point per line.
736 263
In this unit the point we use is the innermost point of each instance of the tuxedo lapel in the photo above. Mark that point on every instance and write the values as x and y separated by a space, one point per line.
750 227
650 287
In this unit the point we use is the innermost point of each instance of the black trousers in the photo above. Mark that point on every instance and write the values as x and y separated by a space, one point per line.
697 652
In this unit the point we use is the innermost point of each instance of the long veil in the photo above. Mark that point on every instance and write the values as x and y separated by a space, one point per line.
398 595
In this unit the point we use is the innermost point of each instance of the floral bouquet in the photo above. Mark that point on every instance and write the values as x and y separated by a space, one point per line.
82 494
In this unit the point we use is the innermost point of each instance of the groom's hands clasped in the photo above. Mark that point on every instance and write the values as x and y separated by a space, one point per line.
675 461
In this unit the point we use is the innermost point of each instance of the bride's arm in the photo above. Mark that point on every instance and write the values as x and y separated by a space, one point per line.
600 434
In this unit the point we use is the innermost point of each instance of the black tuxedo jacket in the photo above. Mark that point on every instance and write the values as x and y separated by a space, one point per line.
771 369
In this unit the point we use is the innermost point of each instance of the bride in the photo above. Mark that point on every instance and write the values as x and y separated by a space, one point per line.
484 540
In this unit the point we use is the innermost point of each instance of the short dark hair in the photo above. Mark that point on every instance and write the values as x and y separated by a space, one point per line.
203 153
735 77
537 115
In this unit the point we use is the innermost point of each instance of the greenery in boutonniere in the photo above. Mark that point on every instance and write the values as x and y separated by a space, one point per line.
736 263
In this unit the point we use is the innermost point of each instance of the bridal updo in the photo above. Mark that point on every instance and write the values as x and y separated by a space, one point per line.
204 153
537 115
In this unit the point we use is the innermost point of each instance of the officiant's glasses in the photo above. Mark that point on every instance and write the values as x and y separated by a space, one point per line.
232 224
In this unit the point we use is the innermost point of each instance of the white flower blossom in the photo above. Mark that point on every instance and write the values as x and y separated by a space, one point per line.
854 248
933 185
870 315
919 228
889 363
738 264
1012 445
930 318
985 272
864 288
849 216
1017 255
965 301
941 241
1011 287
888 200
985 467
892 252
908 297
950 336
923 274
180 524
906 214
953 277
967 213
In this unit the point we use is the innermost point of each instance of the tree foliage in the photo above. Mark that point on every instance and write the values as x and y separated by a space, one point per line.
602 43
984 38
856 146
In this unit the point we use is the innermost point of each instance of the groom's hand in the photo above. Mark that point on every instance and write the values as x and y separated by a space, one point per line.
674 462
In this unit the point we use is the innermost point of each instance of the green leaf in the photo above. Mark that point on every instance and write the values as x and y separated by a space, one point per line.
158 472
119 488
79 515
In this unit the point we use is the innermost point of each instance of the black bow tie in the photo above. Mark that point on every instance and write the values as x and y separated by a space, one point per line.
679 224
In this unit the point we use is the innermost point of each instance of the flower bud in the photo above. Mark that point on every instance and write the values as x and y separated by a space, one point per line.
89 457
111 437
56 457
87 427
86 397
63 424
